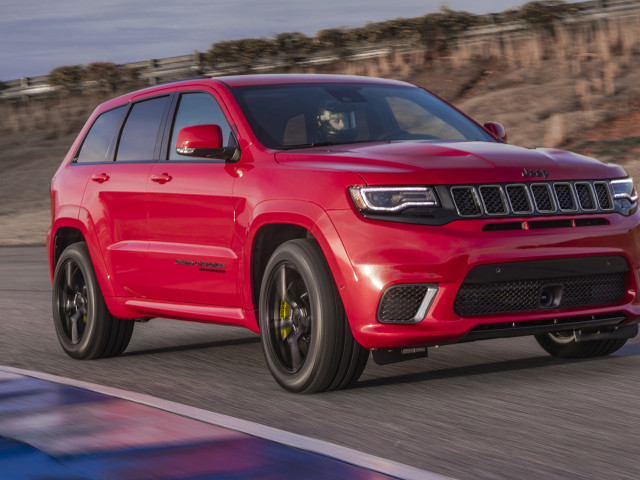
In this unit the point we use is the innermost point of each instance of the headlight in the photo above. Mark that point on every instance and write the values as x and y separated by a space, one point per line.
393 199
623 190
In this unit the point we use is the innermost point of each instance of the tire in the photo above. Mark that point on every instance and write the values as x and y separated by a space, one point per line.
564 345
306 338
85 328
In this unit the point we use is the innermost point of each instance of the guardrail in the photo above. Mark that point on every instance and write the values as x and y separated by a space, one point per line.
156 71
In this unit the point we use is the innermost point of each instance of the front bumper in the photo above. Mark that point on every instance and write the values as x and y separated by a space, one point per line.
383 254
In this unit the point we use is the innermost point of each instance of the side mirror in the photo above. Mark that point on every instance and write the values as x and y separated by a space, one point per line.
497 129
200 141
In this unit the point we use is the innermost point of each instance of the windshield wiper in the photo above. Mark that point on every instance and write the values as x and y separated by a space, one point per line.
309 145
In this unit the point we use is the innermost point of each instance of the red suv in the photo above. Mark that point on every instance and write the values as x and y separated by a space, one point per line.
335 216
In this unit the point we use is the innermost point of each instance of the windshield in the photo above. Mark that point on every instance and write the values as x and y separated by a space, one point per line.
297 116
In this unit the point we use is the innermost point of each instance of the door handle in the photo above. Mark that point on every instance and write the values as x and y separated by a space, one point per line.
100 177
164 178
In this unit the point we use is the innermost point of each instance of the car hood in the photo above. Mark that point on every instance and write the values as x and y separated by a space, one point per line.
449 162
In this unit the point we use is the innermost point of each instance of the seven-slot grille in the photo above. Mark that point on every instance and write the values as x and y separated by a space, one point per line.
532 198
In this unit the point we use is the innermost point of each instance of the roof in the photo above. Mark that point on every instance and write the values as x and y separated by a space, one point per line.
276 79
252 80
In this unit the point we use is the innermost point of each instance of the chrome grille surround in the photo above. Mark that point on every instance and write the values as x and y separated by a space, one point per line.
539 198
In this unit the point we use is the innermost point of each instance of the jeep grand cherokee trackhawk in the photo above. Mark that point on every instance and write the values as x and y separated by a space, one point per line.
335 216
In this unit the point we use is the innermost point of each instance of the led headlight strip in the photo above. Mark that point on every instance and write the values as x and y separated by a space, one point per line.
393 198
623 189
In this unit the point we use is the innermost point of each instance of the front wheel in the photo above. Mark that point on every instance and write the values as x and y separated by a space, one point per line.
306 338
564 345
83 323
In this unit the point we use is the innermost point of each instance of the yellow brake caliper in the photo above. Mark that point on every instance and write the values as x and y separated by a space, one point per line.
285 312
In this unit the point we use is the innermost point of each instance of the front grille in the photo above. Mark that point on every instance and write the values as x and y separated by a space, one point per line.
525 295
519 199
565 196
585 196
543 198
466 201
604 198
400 303
532 199
493 200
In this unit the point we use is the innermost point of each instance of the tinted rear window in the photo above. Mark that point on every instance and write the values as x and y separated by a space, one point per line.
140 132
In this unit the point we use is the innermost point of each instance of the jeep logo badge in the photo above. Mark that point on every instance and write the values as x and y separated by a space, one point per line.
535 173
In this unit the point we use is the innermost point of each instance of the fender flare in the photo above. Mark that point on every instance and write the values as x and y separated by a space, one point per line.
308 215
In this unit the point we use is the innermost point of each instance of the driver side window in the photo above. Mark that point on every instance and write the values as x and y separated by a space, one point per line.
198 108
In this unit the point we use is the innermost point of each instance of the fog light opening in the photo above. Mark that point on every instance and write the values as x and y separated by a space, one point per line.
426 303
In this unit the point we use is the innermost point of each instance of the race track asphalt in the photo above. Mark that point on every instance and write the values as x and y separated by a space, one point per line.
487 410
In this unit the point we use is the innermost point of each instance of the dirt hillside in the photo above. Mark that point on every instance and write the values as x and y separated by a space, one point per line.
573 88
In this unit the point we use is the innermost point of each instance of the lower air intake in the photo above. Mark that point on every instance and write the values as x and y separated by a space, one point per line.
405 303
532 295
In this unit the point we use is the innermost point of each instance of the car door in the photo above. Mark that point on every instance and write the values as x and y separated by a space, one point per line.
115 198
191 215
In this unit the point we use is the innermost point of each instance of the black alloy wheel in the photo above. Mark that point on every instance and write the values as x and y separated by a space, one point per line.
290 314
85 327
306 338
73 301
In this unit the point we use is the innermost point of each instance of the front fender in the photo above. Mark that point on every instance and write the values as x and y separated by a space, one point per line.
315 220
279 211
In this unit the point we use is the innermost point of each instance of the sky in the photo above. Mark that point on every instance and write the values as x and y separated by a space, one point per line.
39 35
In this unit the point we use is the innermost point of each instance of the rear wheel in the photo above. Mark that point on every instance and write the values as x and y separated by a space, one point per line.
307 341
564 345
83 323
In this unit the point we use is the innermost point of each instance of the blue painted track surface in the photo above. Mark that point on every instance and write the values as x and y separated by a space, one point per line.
54 431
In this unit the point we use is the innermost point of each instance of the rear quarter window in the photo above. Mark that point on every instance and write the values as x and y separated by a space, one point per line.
96 143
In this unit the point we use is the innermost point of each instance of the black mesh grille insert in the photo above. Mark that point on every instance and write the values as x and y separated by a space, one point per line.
519 199
493 200
565 196
585 197
542 198
465 201
400 303
602 192
525 295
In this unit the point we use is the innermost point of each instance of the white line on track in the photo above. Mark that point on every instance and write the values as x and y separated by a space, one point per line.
344 454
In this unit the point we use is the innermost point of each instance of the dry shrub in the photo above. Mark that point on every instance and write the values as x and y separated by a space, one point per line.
53 116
